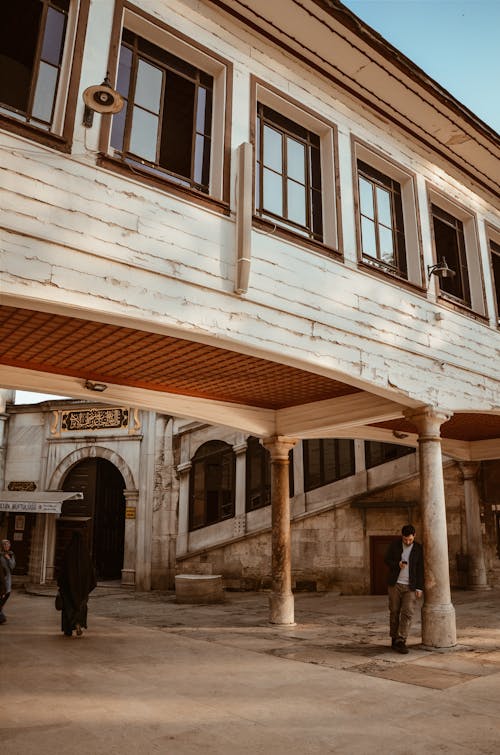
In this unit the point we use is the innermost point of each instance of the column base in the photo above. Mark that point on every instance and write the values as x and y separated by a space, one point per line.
478 587
439 626
128 576
281 609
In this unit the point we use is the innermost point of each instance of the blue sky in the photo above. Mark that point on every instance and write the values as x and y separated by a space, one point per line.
456 42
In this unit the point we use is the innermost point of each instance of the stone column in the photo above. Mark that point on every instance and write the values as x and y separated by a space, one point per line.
438 614
240 517
6 395
183 522
476 577
129 545
281 602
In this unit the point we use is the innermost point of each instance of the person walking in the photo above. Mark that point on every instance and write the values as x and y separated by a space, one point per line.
76 580
405 560
7 565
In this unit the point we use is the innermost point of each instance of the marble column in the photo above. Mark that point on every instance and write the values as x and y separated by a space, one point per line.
129 545
240 517
183 471
476 576
438 614
281 602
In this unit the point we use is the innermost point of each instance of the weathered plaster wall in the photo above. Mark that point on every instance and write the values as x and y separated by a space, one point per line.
99 243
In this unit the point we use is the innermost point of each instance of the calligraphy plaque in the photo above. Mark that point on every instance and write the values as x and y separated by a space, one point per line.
21 485
97 418
130 512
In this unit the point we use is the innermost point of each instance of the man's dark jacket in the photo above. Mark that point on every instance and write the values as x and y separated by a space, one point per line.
416 564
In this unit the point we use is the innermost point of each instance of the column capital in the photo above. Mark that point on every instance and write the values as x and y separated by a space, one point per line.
240 448
131 497
279 446
469 469
427 420
184 468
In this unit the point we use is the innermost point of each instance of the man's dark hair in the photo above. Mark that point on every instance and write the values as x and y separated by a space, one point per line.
408 529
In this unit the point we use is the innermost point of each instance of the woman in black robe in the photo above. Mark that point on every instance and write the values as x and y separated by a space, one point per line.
76 581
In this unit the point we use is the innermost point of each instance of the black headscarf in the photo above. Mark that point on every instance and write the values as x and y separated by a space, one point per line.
77 575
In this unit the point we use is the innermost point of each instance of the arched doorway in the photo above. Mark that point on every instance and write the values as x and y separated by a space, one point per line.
100 515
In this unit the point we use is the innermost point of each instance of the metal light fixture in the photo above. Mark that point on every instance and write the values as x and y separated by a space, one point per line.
441 270
98 387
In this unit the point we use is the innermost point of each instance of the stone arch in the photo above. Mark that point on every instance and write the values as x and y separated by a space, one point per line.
89 452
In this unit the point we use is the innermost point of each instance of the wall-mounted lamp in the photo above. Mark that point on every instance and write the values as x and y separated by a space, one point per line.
100 98
441 270
98 387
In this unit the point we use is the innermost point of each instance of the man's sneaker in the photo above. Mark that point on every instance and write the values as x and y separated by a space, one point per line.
400 646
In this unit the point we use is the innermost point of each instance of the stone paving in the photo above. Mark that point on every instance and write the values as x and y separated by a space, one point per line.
154 676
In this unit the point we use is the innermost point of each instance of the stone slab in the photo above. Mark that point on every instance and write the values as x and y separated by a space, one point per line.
199 588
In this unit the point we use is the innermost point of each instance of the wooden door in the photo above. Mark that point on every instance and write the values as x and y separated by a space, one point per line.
109 521
378 569
19 529
101 515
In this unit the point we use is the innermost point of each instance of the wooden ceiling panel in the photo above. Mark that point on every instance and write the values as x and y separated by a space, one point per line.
106 353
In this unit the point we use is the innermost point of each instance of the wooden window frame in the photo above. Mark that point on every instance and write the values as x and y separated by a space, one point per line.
130 17
471 259
493 238
393 188
409 270
266 116
60 134
264 94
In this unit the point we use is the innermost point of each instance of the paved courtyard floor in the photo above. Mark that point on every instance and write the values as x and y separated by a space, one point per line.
153 676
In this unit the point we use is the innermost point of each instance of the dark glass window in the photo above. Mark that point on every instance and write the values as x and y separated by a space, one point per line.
450 244
166 124
381 220
495 264
327 460
288 178
32 34
378 453
211 497
258 475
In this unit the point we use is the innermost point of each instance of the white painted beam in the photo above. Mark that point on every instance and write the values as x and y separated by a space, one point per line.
259 422
339 413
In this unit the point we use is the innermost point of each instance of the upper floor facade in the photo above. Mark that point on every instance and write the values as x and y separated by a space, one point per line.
250 240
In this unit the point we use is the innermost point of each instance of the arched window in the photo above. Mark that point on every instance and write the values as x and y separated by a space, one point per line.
211 493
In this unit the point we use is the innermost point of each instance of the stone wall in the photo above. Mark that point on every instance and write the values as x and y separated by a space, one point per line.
330 550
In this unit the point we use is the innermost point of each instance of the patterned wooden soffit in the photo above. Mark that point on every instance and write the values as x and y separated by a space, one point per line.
105 353
466 426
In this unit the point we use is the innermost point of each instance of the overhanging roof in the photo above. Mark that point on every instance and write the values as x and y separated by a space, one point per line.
36 502
368 73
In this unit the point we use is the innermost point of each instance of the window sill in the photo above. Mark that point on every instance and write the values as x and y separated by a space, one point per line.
462 309
288 235
391 277
34 134
123 169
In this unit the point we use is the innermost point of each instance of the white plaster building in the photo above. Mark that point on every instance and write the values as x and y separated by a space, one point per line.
255 239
